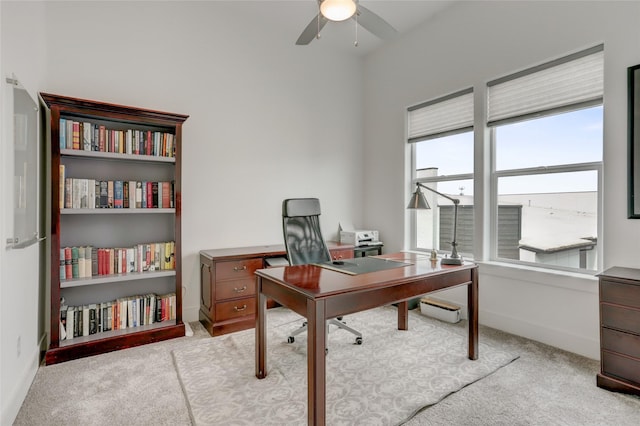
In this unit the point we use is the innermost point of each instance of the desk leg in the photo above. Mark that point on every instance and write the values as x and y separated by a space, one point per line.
261 331
403 315
316 361
472 303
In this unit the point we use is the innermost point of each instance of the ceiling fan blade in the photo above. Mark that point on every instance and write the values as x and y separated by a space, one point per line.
375 24
312 30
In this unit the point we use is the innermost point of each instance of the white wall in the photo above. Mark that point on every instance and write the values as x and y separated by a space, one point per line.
268 120
468 45
22 31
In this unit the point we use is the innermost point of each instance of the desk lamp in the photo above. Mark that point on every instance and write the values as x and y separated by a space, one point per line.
418 201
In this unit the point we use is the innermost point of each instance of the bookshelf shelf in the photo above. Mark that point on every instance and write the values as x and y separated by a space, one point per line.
117 156
118 211
107 279
94 145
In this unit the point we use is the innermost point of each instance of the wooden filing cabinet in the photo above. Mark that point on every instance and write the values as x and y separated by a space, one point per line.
228 284
620 330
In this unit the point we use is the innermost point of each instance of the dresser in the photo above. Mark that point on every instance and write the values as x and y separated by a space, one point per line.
228 285
620 330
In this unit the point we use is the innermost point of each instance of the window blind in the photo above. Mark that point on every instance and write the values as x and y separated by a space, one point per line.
567 83
445 115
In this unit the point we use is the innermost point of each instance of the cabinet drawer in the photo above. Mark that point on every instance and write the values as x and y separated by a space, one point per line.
619 366
620 318
235 308
235 288
237 269
342 254
621 294
617 341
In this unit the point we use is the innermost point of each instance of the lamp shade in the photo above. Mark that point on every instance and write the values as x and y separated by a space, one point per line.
338 10
418 200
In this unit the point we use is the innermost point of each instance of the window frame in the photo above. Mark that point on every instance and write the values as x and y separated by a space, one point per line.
532 171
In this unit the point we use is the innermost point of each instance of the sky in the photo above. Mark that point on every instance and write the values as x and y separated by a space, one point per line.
567 138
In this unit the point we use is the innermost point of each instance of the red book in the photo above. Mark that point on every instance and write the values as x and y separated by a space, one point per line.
101 139
68 270
166 195
76 135
149 143
150 194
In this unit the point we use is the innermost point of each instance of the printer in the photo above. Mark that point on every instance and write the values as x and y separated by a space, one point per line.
360 238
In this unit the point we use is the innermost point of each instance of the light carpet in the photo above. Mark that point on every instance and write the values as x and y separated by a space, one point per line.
386 380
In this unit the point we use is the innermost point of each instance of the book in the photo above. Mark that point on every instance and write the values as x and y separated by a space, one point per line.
76 135
94 261
88 253
138 195
74 262
63 133
149 192
70 323
125 194
69 134
81 262
166 195
68 193
61 186
92 324
154 195
104 194
132 194
86 136
118 194
110 194
91 193
85 320
67 262
63 272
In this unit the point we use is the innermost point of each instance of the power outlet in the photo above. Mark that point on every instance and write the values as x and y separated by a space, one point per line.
19 348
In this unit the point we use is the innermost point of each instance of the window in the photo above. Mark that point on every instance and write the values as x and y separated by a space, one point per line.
546 137
441 137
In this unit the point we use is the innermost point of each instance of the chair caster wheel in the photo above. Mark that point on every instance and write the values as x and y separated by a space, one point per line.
358 340
291 339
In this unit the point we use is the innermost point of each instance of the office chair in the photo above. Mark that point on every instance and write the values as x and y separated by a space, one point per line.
304 244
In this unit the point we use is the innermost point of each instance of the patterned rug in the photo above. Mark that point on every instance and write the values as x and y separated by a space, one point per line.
385 381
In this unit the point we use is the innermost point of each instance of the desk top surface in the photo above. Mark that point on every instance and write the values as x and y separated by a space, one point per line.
317 282
271 250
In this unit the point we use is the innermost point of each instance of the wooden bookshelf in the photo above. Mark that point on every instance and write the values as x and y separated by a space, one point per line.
146 146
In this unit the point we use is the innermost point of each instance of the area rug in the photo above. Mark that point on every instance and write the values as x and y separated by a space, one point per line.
385 381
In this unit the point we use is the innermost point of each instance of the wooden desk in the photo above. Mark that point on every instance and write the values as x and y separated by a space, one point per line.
227 283
319 294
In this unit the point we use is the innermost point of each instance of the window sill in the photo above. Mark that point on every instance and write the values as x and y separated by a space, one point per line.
586 282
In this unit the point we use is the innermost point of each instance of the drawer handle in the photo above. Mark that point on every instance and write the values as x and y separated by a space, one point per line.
237 309
239 290
240 268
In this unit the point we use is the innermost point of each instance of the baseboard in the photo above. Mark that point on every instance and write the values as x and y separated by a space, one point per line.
558 338
190 313
17 395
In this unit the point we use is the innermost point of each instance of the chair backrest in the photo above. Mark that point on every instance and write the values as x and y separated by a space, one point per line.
302 236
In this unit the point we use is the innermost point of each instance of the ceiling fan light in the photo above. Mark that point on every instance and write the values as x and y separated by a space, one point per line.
338 10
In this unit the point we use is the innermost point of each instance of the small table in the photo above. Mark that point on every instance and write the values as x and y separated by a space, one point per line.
372 250
319 294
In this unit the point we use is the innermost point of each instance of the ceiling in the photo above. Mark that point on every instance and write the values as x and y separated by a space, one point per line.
292 17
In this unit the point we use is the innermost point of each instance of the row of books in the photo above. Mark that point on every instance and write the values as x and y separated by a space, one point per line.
87 136
80 193
126 312
88 261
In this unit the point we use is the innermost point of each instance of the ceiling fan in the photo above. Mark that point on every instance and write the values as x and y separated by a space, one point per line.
341 10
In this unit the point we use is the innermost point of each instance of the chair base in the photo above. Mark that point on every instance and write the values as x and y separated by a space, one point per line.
333 321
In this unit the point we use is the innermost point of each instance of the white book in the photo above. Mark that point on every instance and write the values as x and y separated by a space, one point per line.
87 261
91 193
81 262
86 136
85 320
132 194
70 321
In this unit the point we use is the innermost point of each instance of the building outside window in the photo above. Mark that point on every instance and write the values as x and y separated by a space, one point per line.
546 127
441 138
546 137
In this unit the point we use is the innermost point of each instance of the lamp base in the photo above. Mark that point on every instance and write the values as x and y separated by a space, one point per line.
451 261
